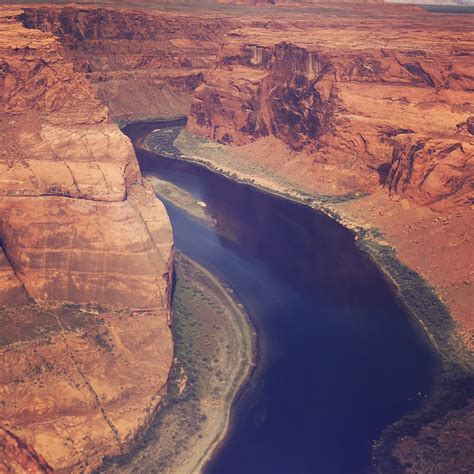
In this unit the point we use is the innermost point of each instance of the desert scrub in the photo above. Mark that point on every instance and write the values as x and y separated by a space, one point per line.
161 141
456 382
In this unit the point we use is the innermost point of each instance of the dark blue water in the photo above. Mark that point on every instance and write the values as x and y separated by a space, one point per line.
338 357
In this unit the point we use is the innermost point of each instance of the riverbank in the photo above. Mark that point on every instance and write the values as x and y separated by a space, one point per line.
176 143
214 347
456 383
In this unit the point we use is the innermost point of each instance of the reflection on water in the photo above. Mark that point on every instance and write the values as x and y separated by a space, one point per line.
339 359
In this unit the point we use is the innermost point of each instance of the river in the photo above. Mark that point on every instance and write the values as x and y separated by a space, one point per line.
339 358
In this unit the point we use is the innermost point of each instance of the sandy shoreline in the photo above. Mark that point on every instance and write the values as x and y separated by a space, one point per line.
243 372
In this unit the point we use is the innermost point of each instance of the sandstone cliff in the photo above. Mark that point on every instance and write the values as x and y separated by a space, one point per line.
140 63
373 103
334 110
85 264
372 119
362 109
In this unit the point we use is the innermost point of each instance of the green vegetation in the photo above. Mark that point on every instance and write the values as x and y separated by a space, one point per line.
456 383
162 142
213 356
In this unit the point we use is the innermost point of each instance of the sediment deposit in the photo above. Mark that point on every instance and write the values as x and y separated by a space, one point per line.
370 103
85 263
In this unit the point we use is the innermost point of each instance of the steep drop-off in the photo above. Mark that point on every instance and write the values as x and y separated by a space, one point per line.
362 109
372 104
85 265
140 63
373 118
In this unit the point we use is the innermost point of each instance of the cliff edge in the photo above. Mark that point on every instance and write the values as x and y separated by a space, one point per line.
85 263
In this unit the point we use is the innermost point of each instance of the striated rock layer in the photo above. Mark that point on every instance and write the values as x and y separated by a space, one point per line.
365 101
85 263
380 113
340 111
140 63
394 110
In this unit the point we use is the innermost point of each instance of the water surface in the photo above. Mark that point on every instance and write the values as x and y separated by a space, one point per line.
339 359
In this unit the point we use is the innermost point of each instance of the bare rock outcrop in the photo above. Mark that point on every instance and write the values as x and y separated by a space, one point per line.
85 263
349 103
16 456
431 170
140 63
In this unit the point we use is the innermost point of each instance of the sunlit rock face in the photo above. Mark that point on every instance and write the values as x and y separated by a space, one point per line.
350 101
85 263
395 107
140 63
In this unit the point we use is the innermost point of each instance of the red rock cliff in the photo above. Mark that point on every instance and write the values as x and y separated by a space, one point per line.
393 109
140 63
85 265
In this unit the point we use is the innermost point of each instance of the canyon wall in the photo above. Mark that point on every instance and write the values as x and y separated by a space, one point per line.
85 263
372 120
375 109
371 104
140 63
378 111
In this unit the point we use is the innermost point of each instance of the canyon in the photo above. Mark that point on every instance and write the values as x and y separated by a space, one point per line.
140 63
387 119
371 104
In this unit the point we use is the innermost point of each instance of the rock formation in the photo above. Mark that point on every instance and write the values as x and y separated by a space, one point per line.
336 110
16 456
85 263
140 63
380 111
353 100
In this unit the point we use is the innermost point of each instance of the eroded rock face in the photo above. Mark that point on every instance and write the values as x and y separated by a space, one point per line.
140 63
349 103
85 263
430 170
12 290
17 456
